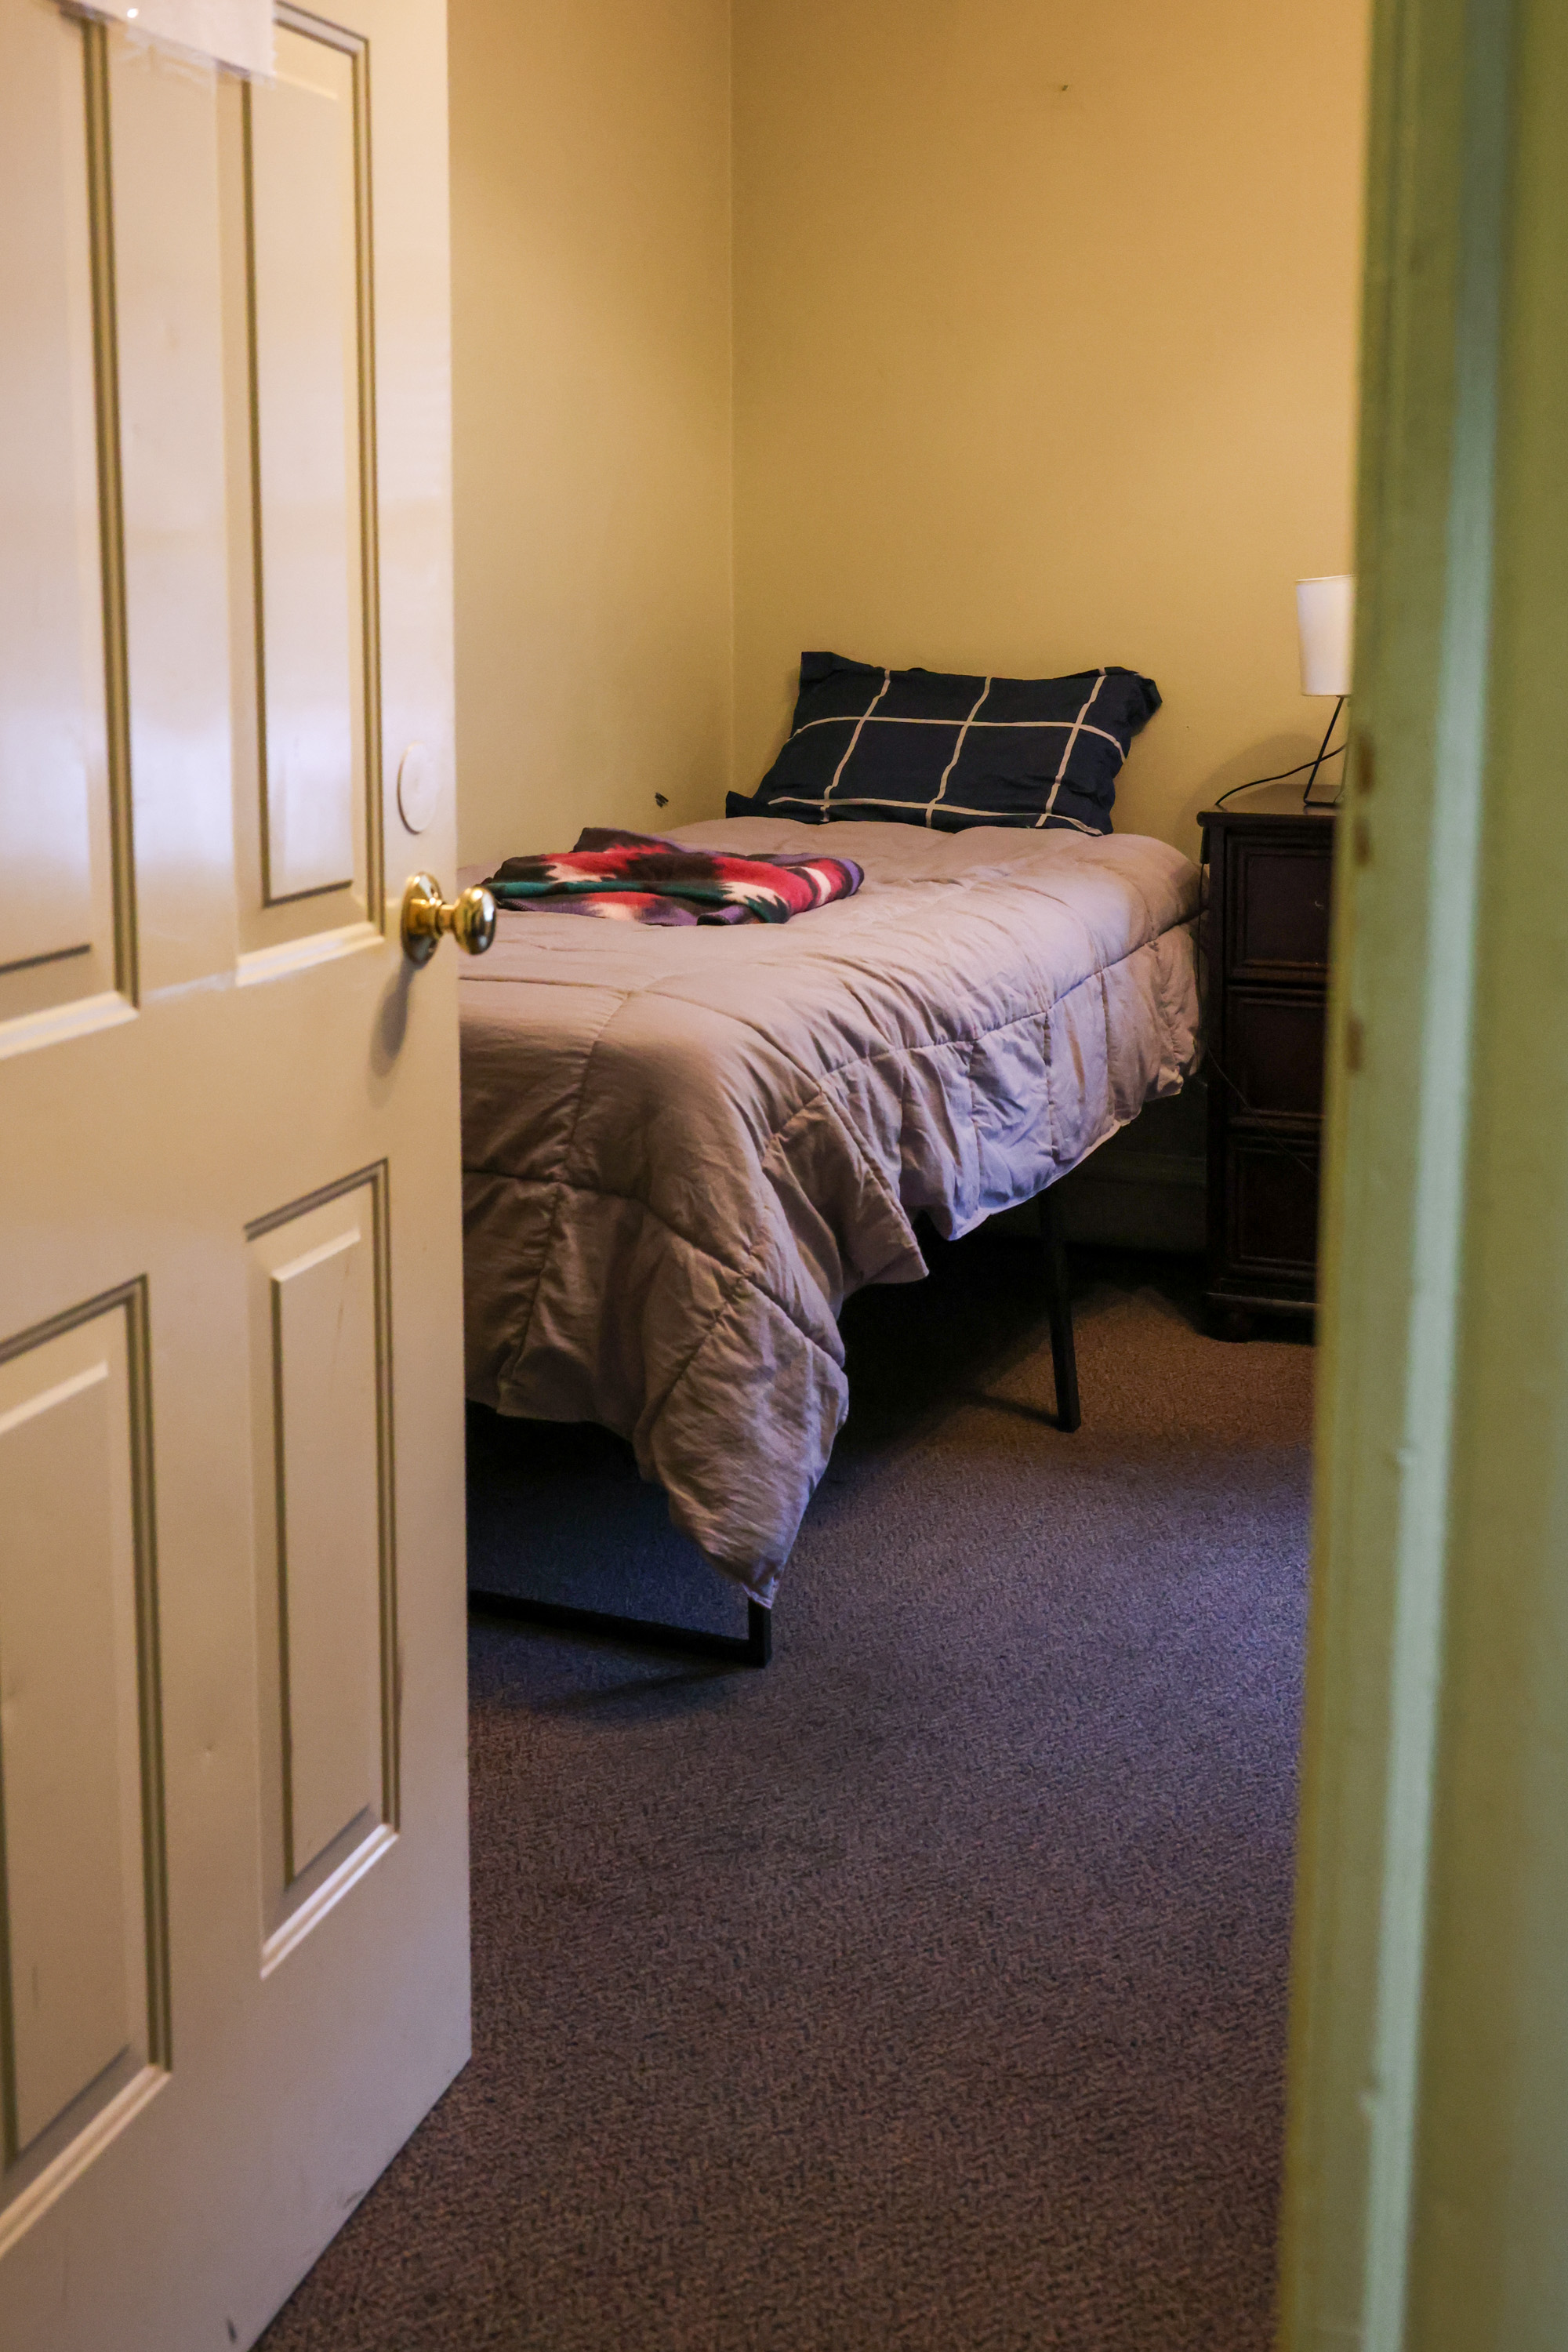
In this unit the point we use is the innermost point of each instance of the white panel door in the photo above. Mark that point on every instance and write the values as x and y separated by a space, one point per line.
234 1965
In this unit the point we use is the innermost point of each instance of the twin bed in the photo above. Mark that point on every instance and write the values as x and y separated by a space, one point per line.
684 1148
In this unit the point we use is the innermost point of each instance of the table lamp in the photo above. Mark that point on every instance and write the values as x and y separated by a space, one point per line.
1325 623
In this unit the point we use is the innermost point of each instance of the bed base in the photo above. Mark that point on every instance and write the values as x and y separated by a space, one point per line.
754 1647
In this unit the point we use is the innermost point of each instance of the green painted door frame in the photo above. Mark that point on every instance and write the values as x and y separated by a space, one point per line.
1427 2197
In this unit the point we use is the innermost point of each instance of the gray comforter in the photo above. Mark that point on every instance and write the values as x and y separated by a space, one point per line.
683 1149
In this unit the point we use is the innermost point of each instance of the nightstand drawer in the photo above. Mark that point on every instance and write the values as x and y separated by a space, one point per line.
1271 1194
1274 1052
1277 919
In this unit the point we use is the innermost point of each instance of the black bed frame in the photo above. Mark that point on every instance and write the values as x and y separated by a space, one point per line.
754 1647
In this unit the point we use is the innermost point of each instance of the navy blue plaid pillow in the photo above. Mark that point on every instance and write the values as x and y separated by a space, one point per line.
926 749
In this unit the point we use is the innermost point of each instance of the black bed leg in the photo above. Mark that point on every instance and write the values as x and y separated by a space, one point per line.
760 1633
1063 1358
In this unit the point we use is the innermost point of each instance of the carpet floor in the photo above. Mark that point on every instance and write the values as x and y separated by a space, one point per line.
928 1990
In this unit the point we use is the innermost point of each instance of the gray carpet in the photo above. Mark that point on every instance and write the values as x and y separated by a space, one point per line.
927 1990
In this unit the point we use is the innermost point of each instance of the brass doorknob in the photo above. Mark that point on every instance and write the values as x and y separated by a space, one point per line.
471 918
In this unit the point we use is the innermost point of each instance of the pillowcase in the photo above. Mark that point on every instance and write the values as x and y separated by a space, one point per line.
923 748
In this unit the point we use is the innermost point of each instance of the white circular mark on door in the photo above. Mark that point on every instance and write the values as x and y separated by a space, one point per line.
418 787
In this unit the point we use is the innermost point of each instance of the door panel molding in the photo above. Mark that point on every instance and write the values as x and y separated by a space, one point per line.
296 886
66 812
111 507
85 1993
326 1580
357 47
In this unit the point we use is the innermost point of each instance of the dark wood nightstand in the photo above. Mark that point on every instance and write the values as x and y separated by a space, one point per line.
1266 941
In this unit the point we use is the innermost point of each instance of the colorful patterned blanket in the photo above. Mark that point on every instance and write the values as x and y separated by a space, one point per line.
642 878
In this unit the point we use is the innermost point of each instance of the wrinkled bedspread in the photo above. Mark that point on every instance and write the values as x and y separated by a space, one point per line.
683 1149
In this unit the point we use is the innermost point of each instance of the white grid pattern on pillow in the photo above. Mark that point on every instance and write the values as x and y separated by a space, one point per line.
1072 728
1066 750
868 713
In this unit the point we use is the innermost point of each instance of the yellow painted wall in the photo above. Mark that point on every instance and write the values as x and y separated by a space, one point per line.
1045 354
592 414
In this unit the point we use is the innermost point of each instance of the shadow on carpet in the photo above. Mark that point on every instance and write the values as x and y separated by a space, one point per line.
927 1990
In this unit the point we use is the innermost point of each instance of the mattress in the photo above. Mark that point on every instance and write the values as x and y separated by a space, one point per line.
683 1149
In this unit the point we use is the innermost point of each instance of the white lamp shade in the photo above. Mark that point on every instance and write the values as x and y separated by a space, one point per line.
1325 619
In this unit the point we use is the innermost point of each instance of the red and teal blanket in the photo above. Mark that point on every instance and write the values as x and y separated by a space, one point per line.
642 878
